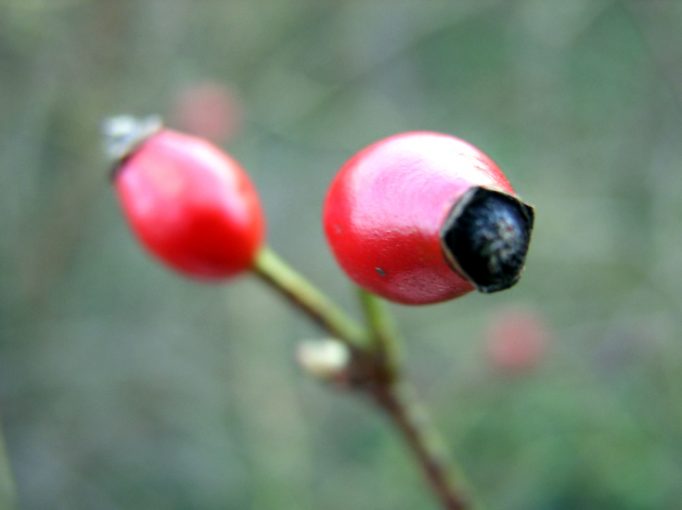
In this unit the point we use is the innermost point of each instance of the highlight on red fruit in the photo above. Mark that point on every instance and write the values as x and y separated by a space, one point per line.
516 340
423 217
191 205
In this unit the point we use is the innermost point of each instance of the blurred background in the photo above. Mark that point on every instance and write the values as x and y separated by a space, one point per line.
124 386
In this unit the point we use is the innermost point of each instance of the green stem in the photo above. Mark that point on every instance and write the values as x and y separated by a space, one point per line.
382 329
376 358
299 291
8 492
399 402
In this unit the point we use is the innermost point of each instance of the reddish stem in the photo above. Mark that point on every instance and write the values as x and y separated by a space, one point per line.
411 421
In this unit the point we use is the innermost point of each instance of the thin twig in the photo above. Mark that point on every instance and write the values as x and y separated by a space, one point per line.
300 292
402 407
375 357
382 331
412 421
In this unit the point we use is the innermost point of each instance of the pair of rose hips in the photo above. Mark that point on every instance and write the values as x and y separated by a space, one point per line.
417 217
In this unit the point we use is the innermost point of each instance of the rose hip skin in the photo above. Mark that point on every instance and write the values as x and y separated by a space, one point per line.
391 217
191 205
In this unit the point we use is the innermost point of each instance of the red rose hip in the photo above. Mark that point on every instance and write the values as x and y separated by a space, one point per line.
424 217
190 204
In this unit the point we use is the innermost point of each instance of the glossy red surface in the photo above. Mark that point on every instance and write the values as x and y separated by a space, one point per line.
386 206
191 205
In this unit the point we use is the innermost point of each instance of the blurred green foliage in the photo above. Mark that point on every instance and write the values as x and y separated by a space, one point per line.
123 386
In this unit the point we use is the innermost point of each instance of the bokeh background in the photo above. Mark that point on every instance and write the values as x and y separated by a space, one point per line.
124 386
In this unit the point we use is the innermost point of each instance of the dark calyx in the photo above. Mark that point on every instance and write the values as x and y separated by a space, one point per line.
485 237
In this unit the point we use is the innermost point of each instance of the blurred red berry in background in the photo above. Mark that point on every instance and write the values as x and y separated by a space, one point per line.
208 109
516 340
